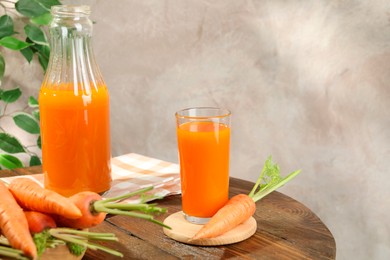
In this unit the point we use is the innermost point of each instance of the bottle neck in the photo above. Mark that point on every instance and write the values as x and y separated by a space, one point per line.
72 61
70 24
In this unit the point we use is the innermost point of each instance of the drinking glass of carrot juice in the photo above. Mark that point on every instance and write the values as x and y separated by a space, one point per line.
203 136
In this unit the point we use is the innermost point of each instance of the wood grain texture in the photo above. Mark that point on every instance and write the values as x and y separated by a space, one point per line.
286 229
21 171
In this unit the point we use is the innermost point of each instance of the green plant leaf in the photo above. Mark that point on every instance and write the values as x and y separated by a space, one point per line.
12 43
10 144
35 114
40 48
35 8
43 53
11 95
28 53
34 160
35 34
32 102
6 26
2 67
43 19
43 60
39 142
10 161
26 122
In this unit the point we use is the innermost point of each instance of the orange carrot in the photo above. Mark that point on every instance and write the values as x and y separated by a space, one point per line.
30 195
241 207
38 221
13 224
94 209
236 211
84 201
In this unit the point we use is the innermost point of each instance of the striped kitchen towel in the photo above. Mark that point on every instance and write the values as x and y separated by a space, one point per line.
133 171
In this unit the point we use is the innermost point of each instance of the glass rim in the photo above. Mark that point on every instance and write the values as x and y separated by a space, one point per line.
70 10
224 112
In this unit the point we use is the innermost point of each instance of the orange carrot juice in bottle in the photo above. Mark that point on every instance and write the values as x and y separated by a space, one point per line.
74 109
203 140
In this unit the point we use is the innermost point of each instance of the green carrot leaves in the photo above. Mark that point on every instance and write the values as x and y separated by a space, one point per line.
112 206
269 180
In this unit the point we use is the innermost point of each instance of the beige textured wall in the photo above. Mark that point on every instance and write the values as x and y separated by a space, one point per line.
307 82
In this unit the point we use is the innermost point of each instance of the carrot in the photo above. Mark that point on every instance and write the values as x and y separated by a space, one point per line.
13 224
94 209
30 195
241 207
84 201
38 221
236 211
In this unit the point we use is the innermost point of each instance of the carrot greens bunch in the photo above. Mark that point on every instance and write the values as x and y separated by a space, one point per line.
7 251
269 180
43 240
77 242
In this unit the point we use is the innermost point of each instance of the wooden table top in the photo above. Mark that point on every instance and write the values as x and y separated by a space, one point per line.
286 229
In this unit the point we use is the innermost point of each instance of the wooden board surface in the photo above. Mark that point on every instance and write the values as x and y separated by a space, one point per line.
60 252
183 231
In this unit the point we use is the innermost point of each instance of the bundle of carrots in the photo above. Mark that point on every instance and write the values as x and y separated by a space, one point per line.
241 207
27 208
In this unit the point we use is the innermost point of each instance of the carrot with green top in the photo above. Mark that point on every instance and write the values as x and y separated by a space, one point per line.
84 201
13 223
94 209
241 207
30 195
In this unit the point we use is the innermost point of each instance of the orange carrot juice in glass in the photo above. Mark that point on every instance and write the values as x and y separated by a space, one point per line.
203 140
75 139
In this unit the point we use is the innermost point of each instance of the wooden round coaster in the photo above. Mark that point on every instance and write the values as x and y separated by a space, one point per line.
182 231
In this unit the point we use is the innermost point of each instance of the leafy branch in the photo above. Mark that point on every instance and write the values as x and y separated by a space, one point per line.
32 44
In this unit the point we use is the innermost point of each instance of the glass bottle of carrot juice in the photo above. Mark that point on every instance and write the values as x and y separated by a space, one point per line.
74 108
